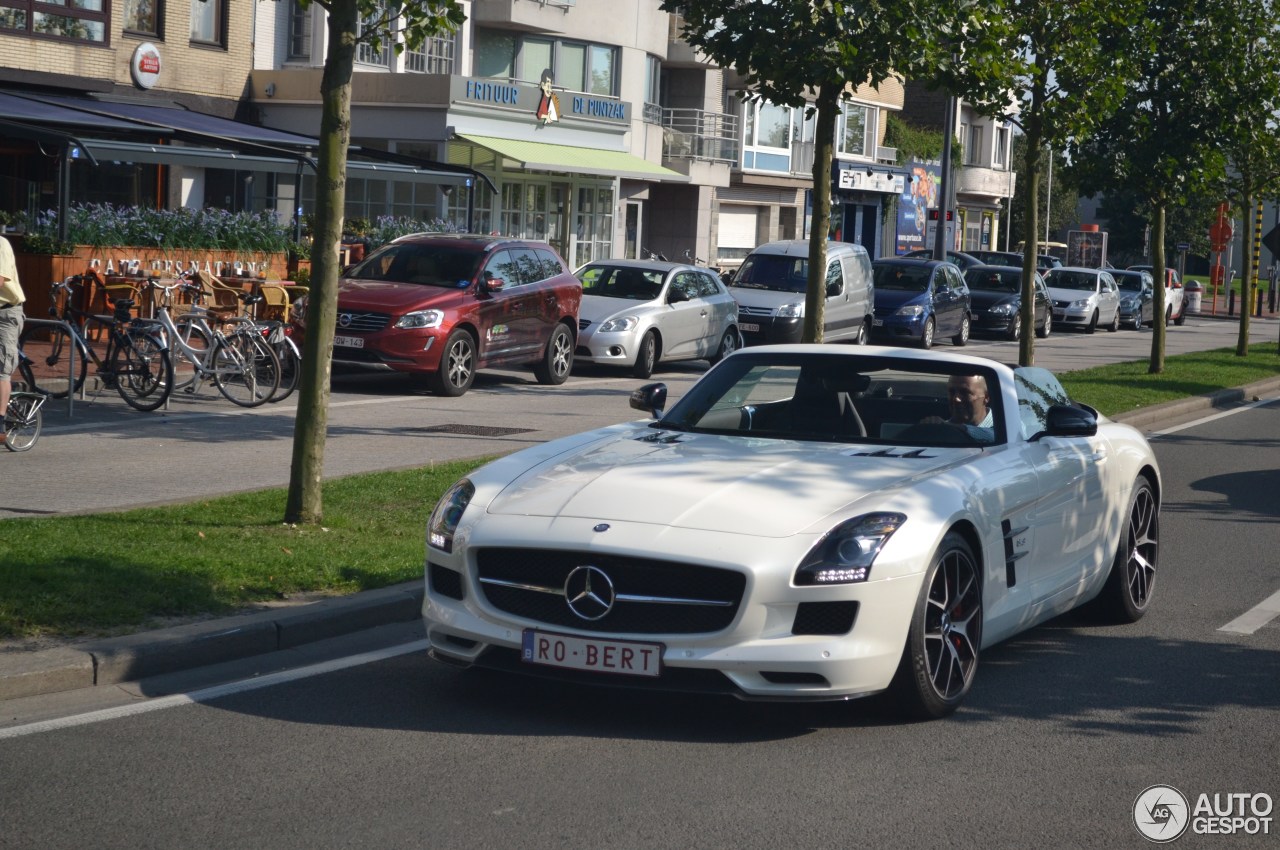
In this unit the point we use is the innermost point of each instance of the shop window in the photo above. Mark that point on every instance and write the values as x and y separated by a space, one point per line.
208 22
143 16
80 20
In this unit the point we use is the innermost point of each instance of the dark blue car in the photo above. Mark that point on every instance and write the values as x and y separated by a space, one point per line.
918 301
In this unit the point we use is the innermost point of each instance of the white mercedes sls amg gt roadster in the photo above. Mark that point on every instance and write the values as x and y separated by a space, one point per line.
807 522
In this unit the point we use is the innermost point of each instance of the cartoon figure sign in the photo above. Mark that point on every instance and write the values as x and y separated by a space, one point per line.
549 104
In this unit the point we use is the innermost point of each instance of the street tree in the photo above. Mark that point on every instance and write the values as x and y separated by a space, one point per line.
1059 199
813 55
1163 144
1249 92
1065 72
350 22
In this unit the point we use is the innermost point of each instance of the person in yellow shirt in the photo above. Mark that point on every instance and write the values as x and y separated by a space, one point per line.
11 317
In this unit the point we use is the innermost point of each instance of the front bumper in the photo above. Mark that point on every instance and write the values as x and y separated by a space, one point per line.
769 330
779 644
607 349
909 327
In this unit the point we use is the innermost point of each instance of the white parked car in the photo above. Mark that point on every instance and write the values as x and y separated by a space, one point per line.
638 313
1175 309
1084 298
807 522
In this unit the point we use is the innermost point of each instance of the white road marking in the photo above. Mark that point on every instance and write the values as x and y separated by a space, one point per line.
1263 403
215 692
1256 617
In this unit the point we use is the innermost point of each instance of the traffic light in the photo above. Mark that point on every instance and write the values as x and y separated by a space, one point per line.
933 215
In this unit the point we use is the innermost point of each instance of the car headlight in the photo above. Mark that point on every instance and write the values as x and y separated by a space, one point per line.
621 323
448 513
911 310
845 555
791 311
421 319
1005 309
1079 305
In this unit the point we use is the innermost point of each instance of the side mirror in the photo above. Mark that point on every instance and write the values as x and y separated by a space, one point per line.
651 398
675 296
1065 420
491 283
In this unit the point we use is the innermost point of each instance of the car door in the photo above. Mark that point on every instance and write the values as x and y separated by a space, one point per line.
1043 304
1109 299
946 300
1068 518
722 310
501 310
686 317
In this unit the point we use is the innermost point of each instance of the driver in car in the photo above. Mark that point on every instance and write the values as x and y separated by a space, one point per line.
970 407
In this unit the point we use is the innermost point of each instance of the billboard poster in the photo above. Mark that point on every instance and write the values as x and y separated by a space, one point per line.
918 197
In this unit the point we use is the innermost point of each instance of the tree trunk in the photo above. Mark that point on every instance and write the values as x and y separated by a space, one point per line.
1158 328
306 473
823 149
1246 284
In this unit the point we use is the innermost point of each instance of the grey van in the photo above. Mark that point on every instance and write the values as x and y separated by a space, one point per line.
770 291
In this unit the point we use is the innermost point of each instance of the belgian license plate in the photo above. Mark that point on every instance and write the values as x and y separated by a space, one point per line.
629 658
349 341
749 327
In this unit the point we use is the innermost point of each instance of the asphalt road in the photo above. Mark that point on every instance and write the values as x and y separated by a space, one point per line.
1066 726
106 456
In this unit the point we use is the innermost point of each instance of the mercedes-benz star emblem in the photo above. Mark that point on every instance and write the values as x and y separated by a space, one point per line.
589 592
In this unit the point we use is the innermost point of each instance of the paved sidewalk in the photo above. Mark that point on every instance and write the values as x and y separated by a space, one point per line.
159 652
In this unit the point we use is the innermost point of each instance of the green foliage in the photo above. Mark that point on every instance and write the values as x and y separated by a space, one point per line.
107 226
1061 198
912 142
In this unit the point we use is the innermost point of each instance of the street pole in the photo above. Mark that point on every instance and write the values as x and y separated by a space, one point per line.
944 184
1048 200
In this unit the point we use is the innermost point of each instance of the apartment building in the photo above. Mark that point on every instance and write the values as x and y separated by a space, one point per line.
985 181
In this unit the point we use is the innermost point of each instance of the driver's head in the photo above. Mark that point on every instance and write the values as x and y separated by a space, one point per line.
968 397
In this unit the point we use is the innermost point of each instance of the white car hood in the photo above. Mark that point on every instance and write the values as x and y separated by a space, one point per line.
736 485
597 308
1070 294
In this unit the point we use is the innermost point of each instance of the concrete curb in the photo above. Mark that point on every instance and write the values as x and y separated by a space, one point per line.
139 656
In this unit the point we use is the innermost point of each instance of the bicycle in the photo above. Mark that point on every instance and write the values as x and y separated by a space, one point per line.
136 362
23 418
241 364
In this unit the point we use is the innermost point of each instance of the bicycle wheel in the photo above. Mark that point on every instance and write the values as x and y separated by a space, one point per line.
143 371
245 369
290 369
23 421
186 365
51 351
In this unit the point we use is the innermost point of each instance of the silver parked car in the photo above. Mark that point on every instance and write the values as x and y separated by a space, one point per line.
637 313
1084 298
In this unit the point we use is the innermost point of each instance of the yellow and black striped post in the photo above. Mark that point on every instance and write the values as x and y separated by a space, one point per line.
1252 295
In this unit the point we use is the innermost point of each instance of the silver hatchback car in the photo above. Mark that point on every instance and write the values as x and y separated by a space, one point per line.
638 313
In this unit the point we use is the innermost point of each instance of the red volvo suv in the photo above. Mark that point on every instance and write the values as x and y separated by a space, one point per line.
444 305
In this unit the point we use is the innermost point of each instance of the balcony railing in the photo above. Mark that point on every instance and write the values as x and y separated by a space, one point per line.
698 134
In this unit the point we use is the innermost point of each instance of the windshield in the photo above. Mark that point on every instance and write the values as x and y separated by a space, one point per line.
843 398
621 282
1128 282
905 278
991 280
429 265
1083 281
774 272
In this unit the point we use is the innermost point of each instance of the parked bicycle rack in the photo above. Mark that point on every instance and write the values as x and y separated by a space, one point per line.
71 361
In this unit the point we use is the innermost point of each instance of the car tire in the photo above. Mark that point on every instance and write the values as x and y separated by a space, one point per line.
1115 322
864 333
1015 328
557 360
1168 316
1047 328
926 336
1182 316
1093 323
457 365
647 356
962 336
729 343
1127 593
944 640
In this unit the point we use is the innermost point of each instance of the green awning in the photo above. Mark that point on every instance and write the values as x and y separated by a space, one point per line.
541 156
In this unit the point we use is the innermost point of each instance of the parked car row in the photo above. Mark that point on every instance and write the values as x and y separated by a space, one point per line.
442 306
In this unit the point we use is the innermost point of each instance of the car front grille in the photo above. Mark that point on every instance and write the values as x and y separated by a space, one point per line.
755 311
358 322
650 596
